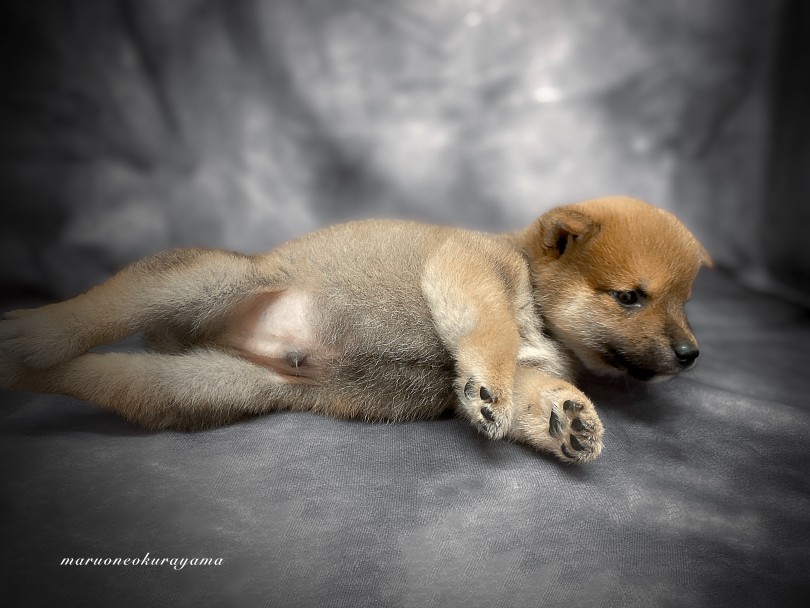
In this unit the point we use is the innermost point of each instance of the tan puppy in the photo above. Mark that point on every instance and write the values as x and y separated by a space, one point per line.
382 320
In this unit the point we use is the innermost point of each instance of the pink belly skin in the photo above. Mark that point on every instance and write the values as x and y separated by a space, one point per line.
275 329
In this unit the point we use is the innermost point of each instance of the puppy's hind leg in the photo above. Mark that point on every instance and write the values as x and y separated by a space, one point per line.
199 388
179 292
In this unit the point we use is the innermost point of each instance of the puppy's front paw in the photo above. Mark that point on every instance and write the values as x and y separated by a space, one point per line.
37 338
576 426
489 408
554 416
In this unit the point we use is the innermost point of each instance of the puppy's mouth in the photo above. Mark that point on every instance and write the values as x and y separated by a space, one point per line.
617 360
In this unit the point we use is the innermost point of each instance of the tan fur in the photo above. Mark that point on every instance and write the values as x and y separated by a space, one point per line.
381 320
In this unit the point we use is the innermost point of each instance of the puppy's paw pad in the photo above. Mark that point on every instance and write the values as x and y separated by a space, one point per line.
556 427
579 430
487 409
572 406
475 391
581 426
487 413
576 444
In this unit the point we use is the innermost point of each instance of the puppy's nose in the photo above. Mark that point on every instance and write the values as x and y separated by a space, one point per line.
686 353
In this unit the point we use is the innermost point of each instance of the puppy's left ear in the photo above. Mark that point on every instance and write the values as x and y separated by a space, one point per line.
564 228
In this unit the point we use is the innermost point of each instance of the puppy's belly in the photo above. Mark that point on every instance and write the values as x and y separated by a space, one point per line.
276 329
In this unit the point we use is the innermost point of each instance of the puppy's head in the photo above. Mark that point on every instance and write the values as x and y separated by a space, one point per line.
613 276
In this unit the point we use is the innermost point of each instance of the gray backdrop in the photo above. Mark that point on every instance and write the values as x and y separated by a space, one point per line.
133 126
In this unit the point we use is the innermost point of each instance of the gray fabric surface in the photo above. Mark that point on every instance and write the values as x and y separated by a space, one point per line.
700 498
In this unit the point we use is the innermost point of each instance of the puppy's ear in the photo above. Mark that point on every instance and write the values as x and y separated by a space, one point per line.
703 254
705 258
564 228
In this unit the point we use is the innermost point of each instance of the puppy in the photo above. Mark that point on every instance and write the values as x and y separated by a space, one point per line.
382 320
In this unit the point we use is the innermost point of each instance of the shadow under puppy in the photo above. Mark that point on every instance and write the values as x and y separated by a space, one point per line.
382 320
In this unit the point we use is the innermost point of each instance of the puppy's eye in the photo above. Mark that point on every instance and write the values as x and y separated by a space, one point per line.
629 298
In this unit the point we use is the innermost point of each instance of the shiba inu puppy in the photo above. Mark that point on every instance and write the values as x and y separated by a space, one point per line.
382 320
